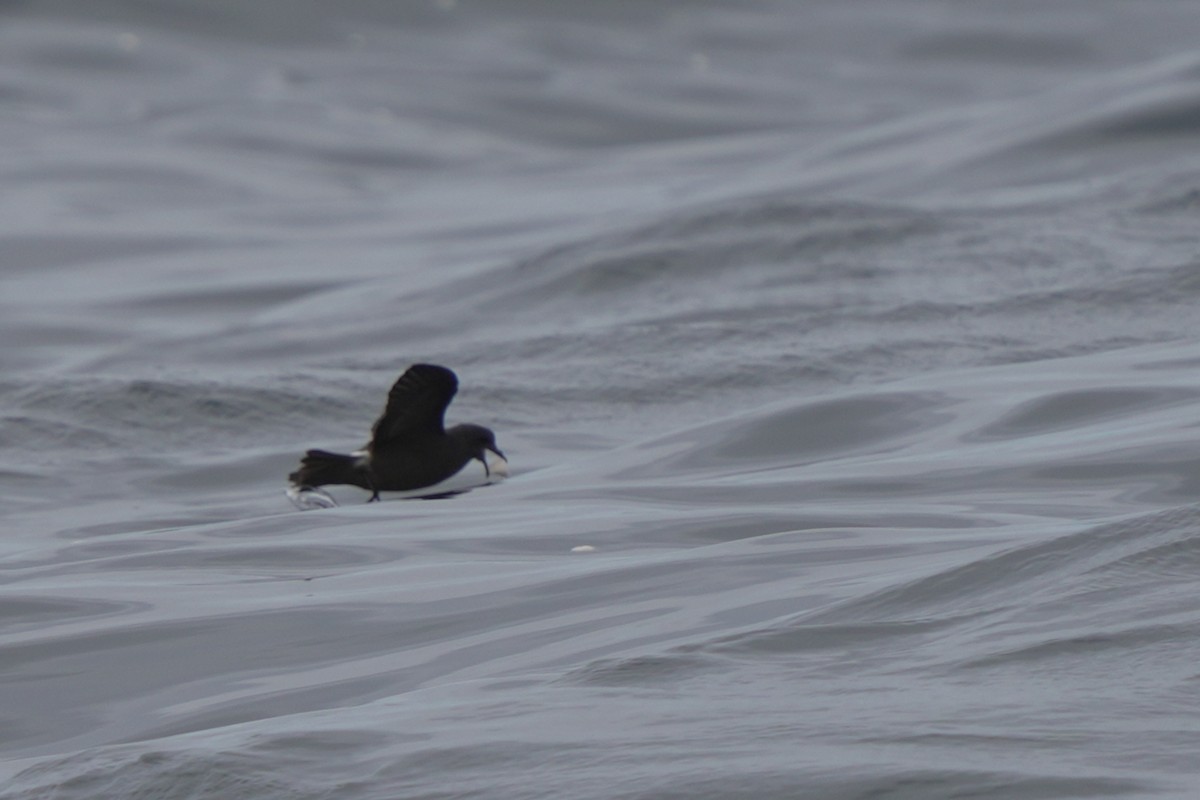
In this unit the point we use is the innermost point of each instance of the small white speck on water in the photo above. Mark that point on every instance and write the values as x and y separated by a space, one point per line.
583 548
129 42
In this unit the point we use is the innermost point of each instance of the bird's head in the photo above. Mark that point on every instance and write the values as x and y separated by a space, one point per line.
480 441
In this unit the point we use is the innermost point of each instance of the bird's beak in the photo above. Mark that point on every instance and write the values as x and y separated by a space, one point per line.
500 467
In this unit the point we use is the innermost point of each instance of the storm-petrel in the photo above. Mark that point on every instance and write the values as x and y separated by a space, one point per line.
410 448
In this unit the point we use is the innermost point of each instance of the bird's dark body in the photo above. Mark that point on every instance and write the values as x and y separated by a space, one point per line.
409 448
401 464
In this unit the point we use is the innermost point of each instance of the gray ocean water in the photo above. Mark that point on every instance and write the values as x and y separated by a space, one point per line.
846 356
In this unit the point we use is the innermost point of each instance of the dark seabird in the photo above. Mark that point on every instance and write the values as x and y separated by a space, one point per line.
410 448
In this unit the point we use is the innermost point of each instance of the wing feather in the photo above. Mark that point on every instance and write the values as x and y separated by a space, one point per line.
416 405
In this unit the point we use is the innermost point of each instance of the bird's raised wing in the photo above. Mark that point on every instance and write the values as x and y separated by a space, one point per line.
416 404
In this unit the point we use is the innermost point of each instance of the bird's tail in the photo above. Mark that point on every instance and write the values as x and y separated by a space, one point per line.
320 468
